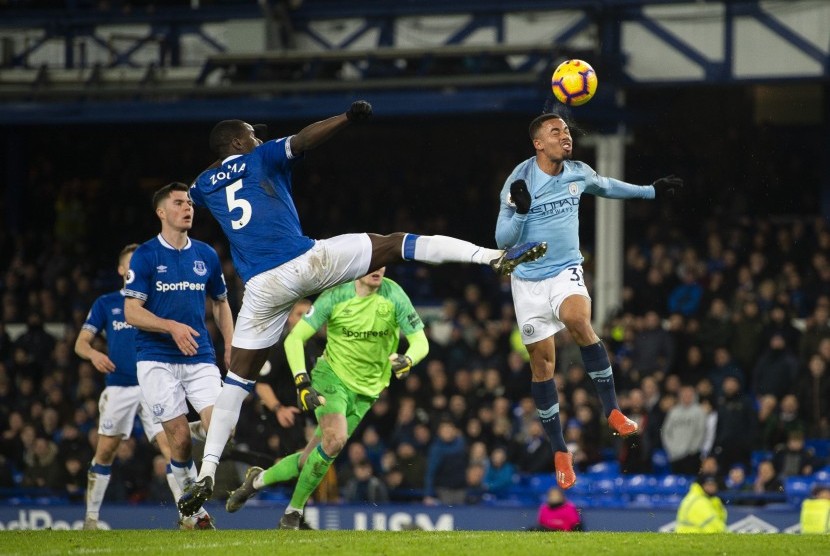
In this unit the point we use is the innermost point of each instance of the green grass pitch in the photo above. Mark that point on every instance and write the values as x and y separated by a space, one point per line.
420 543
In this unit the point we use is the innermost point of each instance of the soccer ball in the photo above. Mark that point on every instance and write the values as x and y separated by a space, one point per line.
574 82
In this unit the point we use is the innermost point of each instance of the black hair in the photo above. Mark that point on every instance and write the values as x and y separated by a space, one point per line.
223 133
537 122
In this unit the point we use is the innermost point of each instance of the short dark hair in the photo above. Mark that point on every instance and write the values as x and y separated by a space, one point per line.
223 133
163 193
537 122
126 251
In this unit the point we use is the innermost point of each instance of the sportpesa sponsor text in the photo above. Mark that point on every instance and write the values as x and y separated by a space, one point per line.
178 286
366 333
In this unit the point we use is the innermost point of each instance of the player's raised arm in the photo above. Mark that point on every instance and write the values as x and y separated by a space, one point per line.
513 210
318 133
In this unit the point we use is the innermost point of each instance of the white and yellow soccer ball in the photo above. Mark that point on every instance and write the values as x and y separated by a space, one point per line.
574 82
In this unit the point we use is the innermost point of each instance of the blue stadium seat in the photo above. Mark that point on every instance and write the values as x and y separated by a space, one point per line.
673 485
820 446
797 488
606 468
822 475
636 485
660 462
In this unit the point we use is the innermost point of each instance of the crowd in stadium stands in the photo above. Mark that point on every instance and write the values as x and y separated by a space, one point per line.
720 354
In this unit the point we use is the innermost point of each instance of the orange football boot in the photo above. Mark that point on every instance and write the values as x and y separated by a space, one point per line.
621 424
564 464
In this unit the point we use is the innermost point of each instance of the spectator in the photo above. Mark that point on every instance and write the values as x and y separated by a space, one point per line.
558 514
43 469
364 486
776 370
816 329
747 334
499 476
738 486
701 511
715 328
635 451
794 458
476 487
724 367
737 425
766 481
445 479
683 432
74 478
653 347
813 394
815 511
779 323
782 423
685 298
36 341
534 453
693 368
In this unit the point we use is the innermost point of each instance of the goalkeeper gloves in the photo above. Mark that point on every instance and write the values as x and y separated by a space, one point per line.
308 398
668 187
359 111
520 196
401 365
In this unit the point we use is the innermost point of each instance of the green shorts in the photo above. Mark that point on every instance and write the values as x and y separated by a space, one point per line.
339 398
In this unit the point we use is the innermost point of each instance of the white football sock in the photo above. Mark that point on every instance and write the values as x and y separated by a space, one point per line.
444 249
223 420
98 480
184 473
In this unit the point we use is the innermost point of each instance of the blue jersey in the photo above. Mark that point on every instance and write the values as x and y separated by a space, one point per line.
250 196
554 213
174 283
107 317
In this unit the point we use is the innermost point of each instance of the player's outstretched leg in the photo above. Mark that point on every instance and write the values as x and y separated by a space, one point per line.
238 497
196 494
443 249
513 257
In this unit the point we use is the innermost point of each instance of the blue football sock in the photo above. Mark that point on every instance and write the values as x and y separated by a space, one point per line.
598 367
547 406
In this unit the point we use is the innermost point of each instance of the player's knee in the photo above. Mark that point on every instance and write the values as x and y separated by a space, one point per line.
580 329
333 444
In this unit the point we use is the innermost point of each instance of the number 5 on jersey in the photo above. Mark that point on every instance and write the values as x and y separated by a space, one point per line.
234 203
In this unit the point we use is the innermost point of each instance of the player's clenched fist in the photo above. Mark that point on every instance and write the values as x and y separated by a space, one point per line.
308 398
359 111
401 365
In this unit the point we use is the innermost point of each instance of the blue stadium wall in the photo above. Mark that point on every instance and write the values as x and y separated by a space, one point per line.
388 518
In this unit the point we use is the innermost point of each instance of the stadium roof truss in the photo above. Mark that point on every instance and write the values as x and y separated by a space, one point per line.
472 55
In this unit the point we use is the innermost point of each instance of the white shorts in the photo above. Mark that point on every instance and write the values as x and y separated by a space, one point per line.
166 386
537 302
270 295
117 408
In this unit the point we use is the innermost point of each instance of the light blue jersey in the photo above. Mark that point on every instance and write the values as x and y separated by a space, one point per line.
250 196
174 283
554 213
107 317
